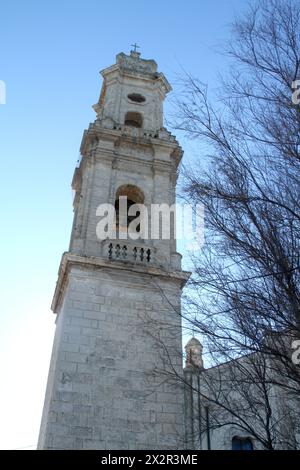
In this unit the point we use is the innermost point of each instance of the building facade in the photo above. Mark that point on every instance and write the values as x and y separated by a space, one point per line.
242 404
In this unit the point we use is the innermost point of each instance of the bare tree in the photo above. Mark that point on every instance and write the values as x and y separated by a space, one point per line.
244 295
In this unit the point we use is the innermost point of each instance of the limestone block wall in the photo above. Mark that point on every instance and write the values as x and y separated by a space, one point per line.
109 386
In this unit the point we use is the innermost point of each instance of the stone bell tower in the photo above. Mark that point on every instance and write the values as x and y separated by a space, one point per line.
117 344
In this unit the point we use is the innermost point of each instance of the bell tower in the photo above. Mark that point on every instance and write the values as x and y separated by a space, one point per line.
117 346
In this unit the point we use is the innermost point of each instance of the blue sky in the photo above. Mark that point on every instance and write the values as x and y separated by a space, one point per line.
51 54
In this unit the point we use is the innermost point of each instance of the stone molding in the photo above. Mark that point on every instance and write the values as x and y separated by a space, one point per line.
70 259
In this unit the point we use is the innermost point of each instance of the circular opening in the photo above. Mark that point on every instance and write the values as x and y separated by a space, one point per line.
136 98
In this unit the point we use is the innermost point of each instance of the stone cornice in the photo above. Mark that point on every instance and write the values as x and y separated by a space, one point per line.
70 259
96 132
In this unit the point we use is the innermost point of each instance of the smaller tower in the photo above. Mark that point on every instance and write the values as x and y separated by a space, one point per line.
193 352
192 378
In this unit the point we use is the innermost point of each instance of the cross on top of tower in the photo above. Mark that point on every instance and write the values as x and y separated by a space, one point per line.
135 46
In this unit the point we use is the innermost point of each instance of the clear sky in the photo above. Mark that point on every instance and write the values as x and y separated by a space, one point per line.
51 53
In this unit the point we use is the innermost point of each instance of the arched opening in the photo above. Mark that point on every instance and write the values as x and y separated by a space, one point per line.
241 443
133 119
134 196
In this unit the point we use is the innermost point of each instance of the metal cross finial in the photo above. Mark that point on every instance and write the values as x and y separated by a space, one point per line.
135 47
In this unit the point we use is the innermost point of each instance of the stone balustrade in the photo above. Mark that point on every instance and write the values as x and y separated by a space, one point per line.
120 250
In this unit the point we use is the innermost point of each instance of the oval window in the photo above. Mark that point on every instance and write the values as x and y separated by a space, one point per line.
136 98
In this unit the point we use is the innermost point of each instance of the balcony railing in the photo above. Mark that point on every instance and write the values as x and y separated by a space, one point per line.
134 253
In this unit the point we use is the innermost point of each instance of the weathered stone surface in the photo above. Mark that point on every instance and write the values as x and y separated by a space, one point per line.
106 386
